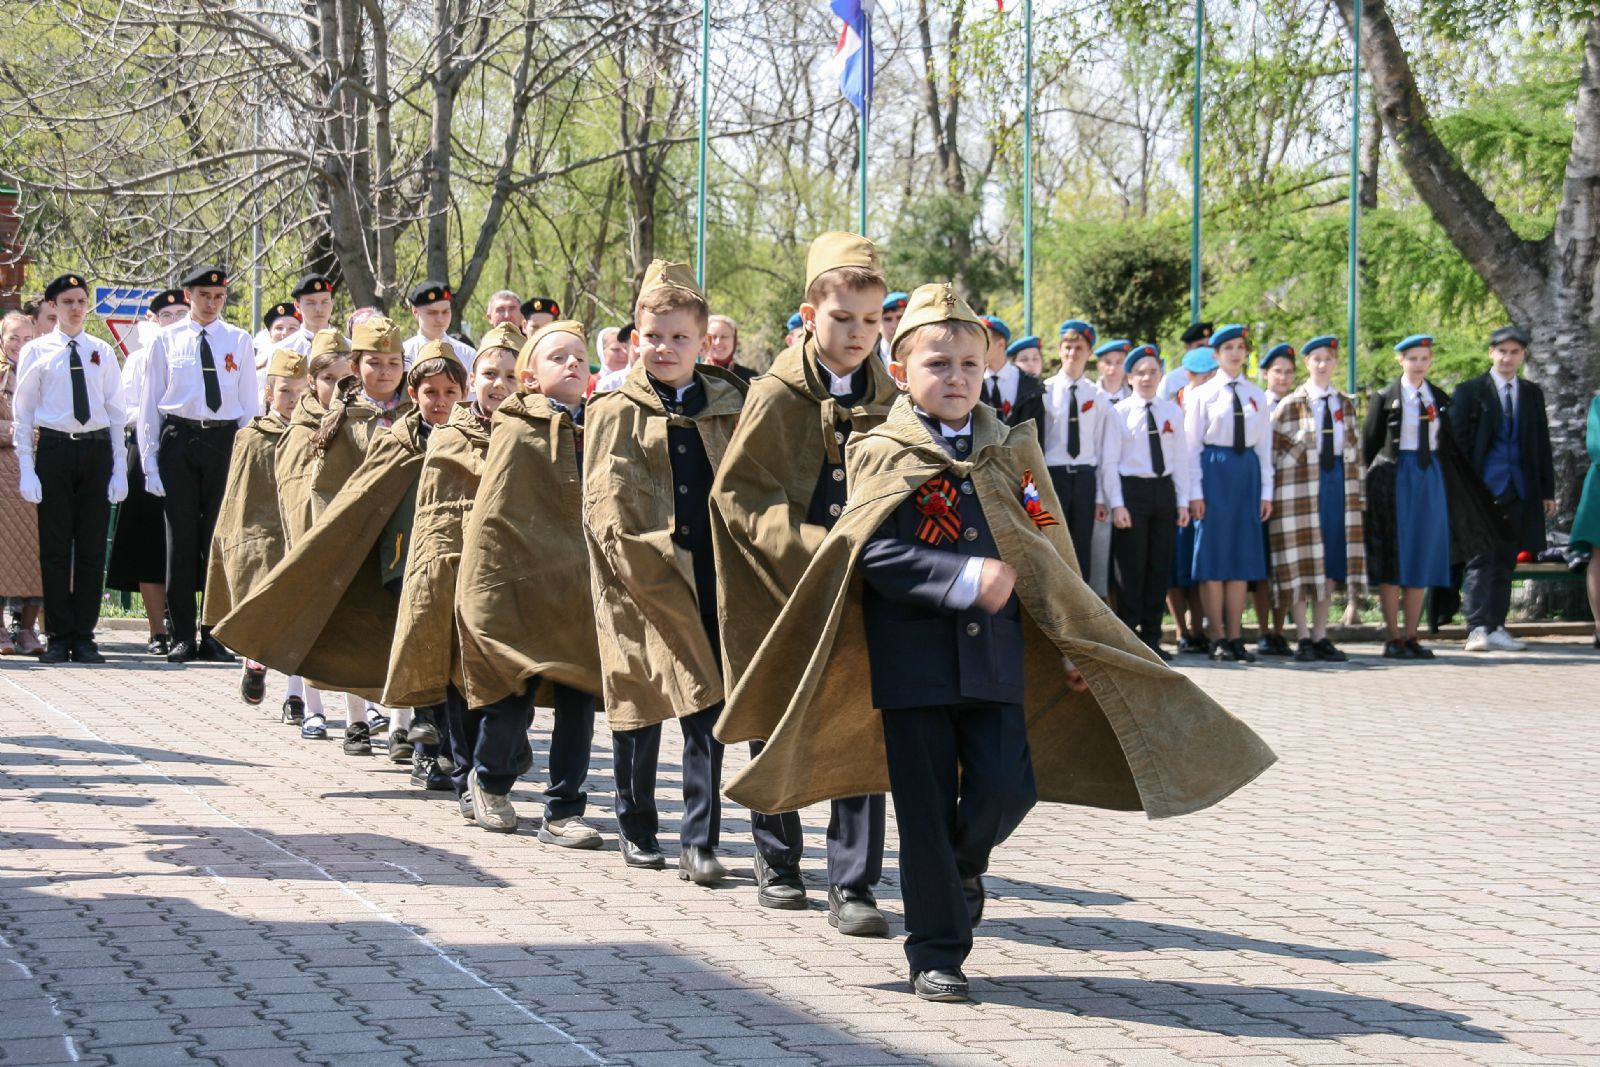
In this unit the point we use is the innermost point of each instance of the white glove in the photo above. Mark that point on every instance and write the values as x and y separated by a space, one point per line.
32 491
117 491
153 486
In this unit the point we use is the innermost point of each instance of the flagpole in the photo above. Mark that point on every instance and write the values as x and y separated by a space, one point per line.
700 206
1352 298
1194 202
1027 166
861 124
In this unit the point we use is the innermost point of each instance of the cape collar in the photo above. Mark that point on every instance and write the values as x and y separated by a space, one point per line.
724 391
905 428
798 367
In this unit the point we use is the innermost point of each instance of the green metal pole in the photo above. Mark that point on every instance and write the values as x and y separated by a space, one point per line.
705 93
1352 299
1194 201
1027 167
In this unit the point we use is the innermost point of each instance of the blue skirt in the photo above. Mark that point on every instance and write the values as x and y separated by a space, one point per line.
1330 517
1227 543
1422 523
1183 556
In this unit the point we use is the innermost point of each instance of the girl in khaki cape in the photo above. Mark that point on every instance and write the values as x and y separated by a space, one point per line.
296 462
524 558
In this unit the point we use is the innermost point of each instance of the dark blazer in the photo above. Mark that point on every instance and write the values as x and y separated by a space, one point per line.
1030 403
1380 433
1478 413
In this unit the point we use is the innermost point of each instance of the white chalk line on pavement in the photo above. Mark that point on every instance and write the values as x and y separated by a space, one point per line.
338 883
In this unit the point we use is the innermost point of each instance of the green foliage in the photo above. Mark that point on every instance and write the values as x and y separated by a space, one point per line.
1129 280
923 245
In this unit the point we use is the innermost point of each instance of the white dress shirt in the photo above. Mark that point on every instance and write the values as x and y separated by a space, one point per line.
1500 392
1330 400
1411 417
174 384
1133 448
464 352
44 392
1208 420
1009 378
1095 414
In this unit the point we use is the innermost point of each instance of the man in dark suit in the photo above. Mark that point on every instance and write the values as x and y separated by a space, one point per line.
1499 423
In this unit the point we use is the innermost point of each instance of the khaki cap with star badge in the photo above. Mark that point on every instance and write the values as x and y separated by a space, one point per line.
286 363
931 303
377 335
839 248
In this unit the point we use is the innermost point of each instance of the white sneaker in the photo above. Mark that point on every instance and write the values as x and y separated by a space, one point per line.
492 811
569 833
1477 640
1501 641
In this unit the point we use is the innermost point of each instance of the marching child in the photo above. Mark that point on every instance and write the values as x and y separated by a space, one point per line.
523 557
1147 490
1317 536
1230 486
946 598
778 492
654 575
1277 378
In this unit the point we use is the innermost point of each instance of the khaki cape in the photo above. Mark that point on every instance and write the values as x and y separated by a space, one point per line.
296 464
656 661
523 602
248 539
787 431
1142 737
323 612
425 656
363 424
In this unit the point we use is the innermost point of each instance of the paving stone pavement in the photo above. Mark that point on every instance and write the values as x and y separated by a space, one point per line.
182 880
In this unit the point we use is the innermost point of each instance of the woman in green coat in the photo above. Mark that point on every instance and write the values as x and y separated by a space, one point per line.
1586 524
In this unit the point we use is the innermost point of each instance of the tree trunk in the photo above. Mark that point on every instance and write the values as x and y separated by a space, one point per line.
436 246
1371 152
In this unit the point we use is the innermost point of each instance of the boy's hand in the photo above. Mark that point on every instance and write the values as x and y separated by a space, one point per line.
1197 510
1183 515
994 585
1075 680
1266 510
1121 519
1100 513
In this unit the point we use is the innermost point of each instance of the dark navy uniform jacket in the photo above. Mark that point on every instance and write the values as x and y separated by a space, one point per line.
691 487
827 500
922 651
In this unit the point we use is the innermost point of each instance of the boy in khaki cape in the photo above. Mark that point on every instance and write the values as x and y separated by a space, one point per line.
652 446
777 494
523 560
946 599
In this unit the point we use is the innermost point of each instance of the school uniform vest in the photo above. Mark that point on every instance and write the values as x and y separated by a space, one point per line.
1502 467
691 486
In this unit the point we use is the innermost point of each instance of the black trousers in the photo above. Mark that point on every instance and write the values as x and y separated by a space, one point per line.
1077 488
193 463
1486 586
1143 554
635 754
74 516
962 780
855 838
494 740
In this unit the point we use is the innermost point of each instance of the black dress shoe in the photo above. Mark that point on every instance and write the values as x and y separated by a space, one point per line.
1328 652
212 651
253 686
1240 652
779 887
86 651
1396 650
972 889
1307 652
1265 647
698 864
1417 651
646 855
1222 652
294 711
160 644
56 652
182 652
1165 656
945 986
855 912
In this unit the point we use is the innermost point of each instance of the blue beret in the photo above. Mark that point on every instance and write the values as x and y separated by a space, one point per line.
1231 331
1408 343
1021 343
1081 326
1121 344
1279 351
795 321
1200 360
1152 351
997 324
896 301
1326 340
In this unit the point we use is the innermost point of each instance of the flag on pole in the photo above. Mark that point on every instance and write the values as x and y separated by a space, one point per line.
854 54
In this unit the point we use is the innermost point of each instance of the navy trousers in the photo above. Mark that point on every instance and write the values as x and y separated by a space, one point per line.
635 754
494 740
855 838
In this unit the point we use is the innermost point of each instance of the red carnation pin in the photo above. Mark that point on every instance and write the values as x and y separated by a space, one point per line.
1166 426
94 357
1087 404
1432 411
1338 416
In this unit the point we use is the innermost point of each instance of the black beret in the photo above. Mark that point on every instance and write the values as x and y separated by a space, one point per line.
212 275
1504 333
541 305
625 334
63 283
430 293
284 310
1197 331
312 283
167 299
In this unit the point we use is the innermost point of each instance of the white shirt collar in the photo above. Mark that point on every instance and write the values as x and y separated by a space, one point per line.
943 429
1501 383
1222 376
838 384
79 337
1412 394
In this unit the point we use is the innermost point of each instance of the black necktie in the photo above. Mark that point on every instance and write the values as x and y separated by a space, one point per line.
1510 410
1158 460
1326 448
1424 434
80 387
991 393
1238 420
208 375
1072 422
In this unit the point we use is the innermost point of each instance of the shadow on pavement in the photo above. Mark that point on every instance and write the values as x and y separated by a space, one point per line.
115 753
1105 934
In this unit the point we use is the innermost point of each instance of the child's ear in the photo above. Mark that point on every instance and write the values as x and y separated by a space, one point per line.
528 381
897 371
808 316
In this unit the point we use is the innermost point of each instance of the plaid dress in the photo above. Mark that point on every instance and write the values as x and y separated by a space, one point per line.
1295 529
